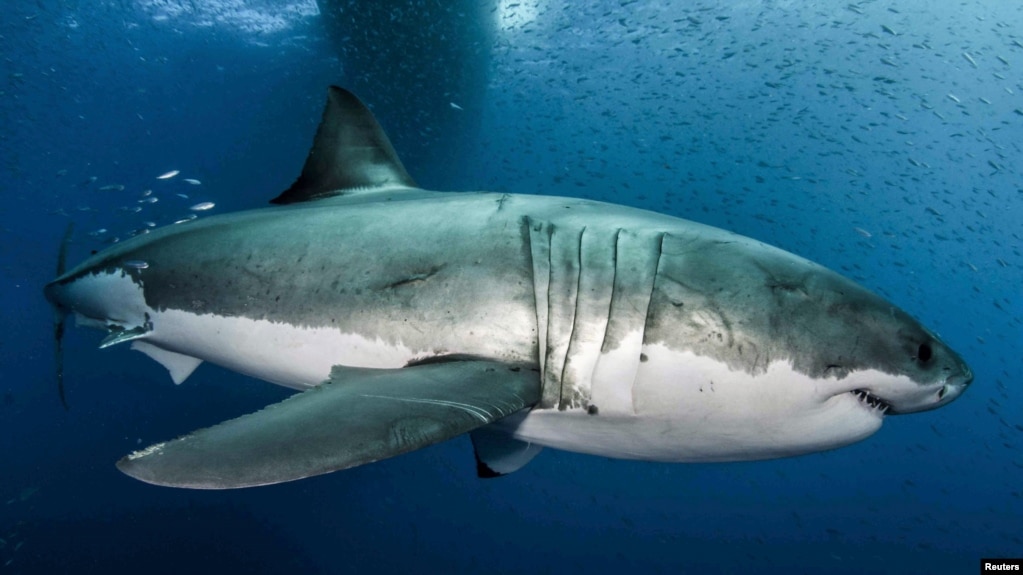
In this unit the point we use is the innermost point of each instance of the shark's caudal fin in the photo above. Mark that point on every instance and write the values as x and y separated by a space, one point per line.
60 316
351 152
359 416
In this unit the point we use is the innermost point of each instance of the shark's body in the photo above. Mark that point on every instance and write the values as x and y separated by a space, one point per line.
561 322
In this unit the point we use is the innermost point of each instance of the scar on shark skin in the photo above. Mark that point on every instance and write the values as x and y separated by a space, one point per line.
414 278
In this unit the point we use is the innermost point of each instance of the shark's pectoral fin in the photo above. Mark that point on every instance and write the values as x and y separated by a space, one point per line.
359 416
497 453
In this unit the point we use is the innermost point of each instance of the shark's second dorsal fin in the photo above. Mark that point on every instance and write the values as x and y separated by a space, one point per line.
350 152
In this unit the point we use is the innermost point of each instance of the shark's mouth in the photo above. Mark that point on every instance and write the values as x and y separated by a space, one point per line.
872 402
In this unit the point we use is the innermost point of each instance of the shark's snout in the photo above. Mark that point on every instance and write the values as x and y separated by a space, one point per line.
960 378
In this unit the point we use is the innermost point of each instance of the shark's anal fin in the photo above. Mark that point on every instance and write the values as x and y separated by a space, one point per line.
350 153
359 416
179 366
497 453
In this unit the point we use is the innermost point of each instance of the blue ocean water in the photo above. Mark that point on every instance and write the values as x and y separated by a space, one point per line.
880 139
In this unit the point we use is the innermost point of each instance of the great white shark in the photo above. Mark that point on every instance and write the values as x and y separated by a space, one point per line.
406 317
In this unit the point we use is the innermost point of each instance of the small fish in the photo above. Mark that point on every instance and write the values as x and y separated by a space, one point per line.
136 264
970 59
112 188
952 97
149 200
186 220
888 30
27 492
146 193
455 106
168 175
131 209
98 232
193 181
202 206
863 232
183 196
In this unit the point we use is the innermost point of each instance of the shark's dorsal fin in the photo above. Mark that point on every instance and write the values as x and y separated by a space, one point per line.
350 153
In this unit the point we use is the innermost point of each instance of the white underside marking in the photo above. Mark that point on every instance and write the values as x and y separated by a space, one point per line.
614 374
288 355
693 408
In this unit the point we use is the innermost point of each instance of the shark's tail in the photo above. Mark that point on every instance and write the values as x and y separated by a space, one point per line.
60 316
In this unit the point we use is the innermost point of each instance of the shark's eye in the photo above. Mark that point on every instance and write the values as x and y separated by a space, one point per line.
924 352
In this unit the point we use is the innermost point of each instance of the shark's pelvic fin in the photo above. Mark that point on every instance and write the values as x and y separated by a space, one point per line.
350 153
499 454
359 416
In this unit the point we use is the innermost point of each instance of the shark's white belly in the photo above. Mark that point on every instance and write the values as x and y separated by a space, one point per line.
684 407
293 356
